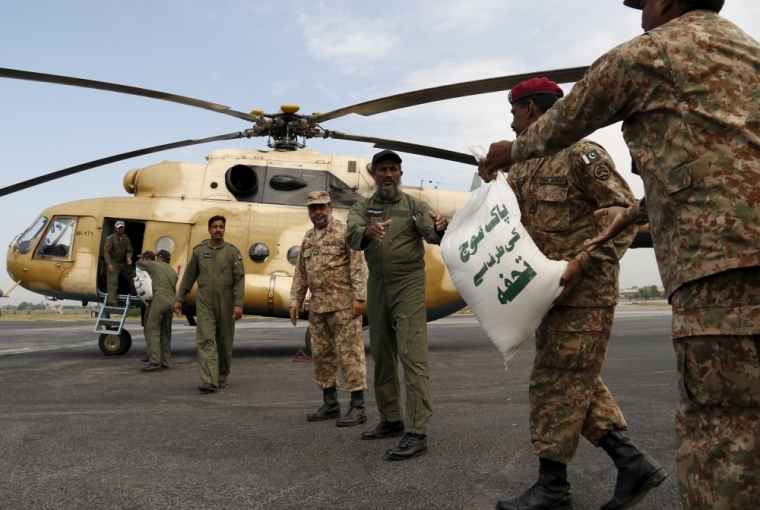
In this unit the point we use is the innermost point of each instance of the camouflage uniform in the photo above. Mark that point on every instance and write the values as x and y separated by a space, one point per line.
116 251
158 316
687 95
336 276
396 303
558 196
221 287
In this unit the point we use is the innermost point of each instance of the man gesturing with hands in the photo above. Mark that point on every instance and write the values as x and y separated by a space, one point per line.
389 227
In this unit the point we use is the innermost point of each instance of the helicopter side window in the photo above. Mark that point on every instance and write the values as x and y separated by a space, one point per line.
57 242
32 233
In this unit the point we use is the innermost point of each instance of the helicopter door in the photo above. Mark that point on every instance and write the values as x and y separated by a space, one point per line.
135 229
172 237
291 186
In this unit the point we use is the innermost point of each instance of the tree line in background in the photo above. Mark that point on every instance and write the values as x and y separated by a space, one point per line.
645 293
25 306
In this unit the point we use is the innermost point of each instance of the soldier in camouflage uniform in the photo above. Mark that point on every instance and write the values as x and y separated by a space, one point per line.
117 252
218 268
558 195
687 93
337 278
158 316
390 227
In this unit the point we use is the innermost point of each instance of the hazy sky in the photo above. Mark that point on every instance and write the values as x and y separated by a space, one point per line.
251 54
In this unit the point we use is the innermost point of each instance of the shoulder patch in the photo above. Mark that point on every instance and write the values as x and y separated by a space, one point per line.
591 156
601 172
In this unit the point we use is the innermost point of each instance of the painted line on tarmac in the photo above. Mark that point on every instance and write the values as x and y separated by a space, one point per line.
46 348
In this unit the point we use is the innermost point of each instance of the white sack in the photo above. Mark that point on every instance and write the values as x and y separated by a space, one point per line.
497 268
143 285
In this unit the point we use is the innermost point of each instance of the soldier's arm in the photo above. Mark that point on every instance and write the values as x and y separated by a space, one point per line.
359 275
611 91
300 283
425 224
638 213
357 223
188 278
130 250
238 277
595 170
107 251
145 265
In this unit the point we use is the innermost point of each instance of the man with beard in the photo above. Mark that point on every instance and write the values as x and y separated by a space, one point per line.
337 278
117 253
558 195
218 268
687 92
389 227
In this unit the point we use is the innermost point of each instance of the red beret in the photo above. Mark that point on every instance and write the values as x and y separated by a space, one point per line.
532 87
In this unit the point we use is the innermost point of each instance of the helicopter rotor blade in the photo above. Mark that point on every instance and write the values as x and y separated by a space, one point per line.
468 88
411 148
123 89
111 159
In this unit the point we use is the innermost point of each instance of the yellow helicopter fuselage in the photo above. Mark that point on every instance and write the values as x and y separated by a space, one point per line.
262 195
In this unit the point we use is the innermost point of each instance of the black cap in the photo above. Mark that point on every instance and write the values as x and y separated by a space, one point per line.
386 154
716 5
147 255
164 255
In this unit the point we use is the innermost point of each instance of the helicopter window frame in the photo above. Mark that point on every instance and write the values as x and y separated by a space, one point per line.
23 250
66 226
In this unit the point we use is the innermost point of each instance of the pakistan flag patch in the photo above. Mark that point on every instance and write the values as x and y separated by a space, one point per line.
590 157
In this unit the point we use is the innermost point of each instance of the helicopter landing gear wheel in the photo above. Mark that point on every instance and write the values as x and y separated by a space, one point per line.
112 344
307 341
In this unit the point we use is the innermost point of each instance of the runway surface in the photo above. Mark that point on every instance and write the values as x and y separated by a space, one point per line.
80 429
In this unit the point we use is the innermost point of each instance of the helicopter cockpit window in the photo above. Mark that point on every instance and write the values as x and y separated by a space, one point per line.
32 233
57 242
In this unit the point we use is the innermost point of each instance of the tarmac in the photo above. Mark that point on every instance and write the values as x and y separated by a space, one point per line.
79 429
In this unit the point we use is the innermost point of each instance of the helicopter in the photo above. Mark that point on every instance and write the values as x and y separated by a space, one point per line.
261 193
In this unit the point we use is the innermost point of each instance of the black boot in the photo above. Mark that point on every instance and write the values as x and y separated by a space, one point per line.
356 413
638 472
550 492
385 429
330 409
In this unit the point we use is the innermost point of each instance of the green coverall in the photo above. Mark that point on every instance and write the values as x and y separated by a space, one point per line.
221 287
116 251
158 316
396 303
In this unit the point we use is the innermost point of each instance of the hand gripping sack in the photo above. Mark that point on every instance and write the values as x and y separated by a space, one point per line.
497 268
143 285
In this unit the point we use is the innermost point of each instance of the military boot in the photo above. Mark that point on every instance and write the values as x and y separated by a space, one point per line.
638 472
330 409
550 492
356 413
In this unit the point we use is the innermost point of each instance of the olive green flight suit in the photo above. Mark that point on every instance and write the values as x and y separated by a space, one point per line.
396 303
158 316
116 251
221 287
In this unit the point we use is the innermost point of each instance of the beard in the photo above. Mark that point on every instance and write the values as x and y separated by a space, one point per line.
387 191
320 224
